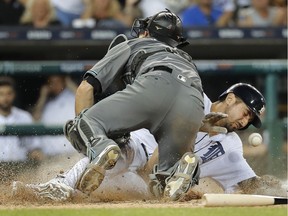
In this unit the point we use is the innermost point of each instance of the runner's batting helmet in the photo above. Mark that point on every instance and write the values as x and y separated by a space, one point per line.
165 26
251 97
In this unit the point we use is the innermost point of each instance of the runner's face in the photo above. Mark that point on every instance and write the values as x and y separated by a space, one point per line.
239 115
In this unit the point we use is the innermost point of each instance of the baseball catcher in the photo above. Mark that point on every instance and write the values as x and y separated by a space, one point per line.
163 94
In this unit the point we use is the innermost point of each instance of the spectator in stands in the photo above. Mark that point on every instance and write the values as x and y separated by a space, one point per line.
243 3
39 13
261 14
54 107
202 13
68 10
14 150
228 9
132 10
151 7
283 8
11 11
177 6
107 13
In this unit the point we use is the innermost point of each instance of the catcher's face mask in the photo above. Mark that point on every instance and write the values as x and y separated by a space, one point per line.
139 26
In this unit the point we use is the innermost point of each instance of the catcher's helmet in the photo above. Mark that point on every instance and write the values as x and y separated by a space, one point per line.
165 26
251 97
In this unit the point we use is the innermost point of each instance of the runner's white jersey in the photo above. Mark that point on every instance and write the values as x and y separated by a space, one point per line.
143 143
221 156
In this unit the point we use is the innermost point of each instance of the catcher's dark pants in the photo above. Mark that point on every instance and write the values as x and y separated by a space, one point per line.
171 109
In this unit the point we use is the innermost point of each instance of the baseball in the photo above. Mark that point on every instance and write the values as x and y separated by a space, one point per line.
255 139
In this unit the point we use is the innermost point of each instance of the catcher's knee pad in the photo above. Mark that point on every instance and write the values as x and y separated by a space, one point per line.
80 134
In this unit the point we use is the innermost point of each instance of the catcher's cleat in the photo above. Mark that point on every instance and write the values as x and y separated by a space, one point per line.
53 190
185 176
95 171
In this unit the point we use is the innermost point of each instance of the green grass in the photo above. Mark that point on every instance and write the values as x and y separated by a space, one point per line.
241 211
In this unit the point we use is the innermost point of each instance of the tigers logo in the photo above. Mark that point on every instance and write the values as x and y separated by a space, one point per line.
214 151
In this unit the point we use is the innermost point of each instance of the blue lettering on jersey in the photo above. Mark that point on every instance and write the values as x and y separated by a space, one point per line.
214 151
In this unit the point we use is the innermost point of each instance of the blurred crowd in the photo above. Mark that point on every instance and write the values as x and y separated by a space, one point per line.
121 13
54 106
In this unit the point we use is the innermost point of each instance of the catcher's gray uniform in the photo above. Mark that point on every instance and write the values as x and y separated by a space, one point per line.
166 97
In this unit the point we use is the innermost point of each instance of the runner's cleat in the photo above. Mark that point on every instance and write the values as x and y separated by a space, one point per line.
185 176
53 190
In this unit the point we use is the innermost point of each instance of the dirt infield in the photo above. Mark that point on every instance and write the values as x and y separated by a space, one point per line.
105 197
26 199
112 204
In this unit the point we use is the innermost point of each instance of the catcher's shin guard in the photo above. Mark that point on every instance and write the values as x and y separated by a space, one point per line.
84 139
77 132
184 176
102 152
